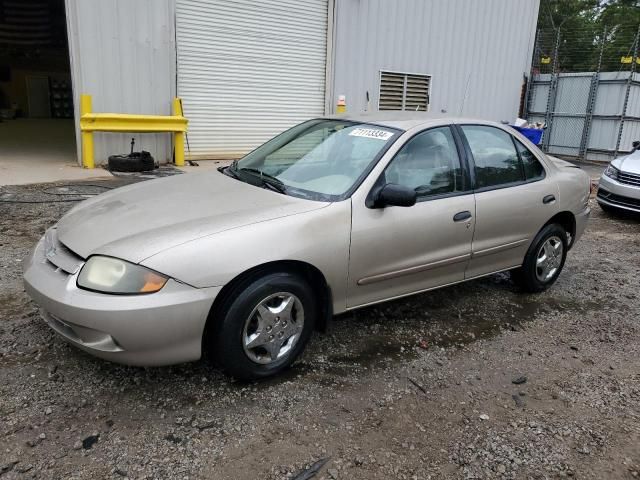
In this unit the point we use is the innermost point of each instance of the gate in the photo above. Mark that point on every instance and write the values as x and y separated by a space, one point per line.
590 115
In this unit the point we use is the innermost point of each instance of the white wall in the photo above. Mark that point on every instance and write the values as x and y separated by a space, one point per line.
123 54
486 44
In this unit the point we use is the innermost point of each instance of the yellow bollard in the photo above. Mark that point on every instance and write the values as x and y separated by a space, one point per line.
91 122
341 106
178 142
178 137
87 137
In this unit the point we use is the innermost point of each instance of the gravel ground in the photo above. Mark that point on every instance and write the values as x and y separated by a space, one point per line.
472 381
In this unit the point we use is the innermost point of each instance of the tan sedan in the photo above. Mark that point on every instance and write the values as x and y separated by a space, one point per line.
331 215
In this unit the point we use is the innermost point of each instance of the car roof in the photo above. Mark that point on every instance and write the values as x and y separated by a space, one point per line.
408 120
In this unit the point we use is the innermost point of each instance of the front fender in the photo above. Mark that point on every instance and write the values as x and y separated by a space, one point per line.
319 237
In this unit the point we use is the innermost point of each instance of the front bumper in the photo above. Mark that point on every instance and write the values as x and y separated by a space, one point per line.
615 194
161 328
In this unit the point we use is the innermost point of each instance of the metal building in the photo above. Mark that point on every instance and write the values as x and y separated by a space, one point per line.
123 55
248 69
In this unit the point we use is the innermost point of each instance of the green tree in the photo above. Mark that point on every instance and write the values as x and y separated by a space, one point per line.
581 24
622 18
577 21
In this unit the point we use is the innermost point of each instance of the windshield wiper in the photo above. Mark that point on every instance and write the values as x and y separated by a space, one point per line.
231 170
273 182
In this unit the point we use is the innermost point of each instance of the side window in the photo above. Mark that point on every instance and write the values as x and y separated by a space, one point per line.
533 169
494 154
428 163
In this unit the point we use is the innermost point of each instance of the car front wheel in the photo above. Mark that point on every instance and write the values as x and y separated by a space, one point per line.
264 325
544 260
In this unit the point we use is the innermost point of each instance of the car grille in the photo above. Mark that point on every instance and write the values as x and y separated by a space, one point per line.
629 178
59 255
618 199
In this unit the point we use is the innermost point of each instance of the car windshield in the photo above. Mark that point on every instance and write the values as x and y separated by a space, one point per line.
318 159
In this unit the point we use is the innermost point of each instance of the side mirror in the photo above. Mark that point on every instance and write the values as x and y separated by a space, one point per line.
394 195
636 145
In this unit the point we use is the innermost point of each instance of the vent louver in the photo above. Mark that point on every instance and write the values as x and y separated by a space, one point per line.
404 91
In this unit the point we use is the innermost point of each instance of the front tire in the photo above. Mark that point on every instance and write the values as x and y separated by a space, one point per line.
263 325
544 260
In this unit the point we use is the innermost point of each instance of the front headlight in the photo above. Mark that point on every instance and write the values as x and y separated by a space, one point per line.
111 275
611 172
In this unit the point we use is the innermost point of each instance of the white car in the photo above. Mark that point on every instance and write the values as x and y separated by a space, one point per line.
619 187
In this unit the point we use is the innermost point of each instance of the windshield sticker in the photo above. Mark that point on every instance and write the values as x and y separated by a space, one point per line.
371 133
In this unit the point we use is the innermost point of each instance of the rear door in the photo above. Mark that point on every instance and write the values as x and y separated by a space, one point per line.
514 198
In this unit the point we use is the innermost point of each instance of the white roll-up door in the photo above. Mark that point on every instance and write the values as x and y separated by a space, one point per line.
248 69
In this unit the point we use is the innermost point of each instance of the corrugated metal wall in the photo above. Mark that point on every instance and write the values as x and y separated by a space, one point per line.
123 54
568 113
482 48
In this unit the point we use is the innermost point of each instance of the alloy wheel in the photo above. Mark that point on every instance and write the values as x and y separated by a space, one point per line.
549 258
273 328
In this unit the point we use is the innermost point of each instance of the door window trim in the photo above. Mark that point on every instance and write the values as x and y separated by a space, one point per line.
524 173
467 183
472 162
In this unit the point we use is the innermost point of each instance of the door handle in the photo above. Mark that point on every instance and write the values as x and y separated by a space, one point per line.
549 199
461 216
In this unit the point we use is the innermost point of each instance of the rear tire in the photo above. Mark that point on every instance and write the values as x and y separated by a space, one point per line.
544 260
263 325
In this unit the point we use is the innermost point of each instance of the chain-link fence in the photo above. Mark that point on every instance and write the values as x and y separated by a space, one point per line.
584 87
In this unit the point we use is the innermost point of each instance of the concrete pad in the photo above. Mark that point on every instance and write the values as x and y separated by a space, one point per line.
204 165
40 150
20 173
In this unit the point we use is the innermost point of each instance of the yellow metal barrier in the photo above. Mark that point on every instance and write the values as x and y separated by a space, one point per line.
121 122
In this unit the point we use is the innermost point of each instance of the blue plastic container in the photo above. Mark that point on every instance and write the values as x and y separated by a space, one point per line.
534 135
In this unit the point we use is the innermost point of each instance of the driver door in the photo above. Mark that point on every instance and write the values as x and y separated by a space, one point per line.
397 251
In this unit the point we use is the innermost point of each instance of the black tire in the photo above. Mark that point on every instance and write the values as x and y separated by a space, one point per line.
225 339
527 277
135 162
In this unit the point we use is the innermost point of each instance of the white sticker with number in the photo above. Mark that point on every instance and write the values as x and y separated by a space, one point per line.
371 133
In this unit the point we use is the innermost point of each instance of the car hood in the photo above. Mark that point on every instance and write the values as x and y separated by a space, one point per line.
137 221
629 164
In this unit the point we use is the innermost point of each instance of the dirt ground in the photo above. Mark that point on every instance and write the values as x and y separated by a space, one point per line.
472 381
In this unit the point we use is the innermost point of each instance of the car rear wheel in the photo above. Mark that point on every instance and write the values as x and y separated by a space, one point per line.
544 260
263 325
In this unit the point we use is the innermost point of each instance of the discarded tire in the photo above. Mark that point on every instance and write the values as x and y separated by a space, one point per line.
133 162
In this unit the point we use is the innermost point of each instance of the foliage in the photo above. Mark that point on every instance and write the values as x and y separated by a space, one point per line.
582 24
